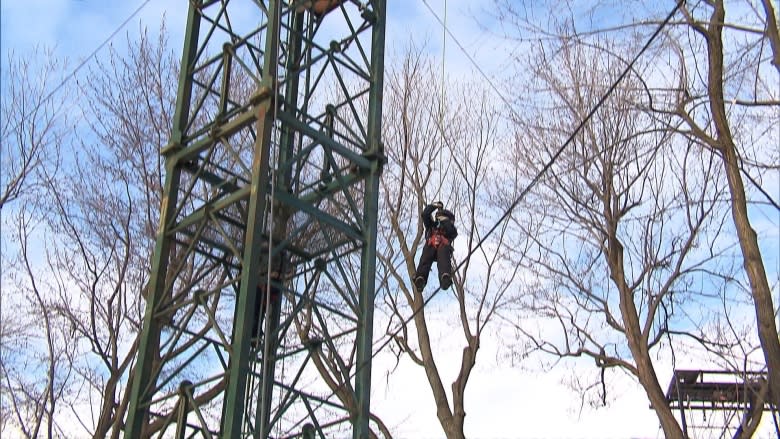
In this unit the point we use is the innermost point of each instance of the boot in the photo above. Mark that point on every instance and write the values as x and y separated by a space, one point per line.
419 282
445 281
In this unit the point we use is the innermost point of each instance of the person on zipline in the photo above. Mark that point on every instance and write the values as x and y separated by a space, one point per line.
440 231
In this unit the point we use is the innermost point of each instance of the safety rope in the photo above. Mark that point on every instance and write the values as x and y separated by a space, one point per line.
274 175
442 102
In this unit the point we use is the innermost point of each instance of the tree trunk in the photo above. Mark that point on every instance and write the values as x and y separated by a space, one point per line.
468 361
748 241
772 33
637 342
443 411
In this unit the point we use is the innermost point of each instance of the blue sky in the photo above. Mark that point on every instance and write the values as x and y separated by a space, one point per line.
75 28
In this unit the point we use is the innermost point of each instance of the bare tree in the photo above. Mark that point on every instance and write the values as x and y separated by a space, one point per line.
441 151
34 359
712 107
109 229
629 225
719 58
97 222
37 366
772 30
32 122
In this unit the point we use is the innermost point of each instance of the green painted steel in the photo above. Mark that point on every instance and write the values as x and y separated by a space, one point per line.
141 381
370 213
260 304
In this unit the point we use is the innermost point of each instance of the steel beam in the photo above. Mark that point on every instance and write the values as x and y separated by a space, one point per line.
274 161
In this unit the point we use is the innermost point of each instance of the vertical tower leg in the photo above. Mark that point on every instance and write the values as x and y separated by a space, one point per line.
273 153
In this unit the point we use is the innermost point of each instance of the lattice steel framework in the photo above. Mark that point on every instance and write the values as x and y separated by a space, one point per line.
719 402
269 216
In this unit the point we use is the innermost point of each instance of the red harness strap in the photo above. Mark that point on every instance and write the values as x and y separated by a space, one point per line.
437 239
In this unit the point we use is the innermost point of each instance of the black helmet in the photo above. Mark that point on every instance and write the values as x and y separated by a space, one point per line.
444 215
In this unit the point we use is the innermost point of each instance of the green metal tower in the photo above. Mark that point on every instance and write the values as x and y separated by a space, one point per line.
260 303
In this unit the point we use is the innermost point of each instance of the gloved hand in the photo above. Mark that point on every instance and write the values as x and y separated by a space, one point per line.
438 205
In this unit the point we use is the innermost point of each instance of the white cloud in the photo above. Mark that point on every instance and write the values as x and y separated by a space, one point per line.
519 400
502 400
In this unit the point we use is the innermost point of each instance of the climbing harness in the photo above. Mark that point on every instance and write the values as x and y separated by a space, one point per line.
437 239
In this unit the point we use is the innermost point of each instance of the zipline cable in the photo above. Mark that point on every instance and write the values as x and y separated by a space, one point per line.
528 188
551 161
510 107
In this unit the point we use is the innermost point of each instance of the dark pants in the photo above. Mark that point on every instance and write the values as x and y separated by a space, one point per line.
443 257
260 304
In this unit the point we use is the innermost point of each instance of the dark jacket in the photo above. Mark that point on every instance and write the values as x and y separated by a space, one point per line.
447 227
